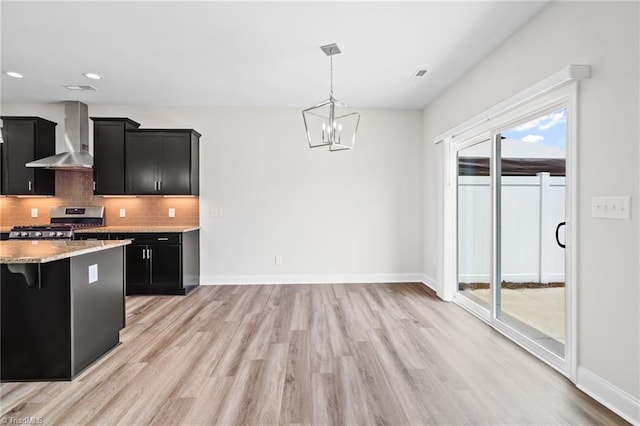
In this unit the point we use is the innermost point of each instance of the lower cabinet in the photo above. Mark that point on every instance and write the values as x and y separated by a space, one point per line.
158 263
153 268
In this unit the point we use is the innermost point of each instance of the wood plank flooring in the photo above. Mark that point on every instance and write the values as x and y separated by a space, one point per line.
306 354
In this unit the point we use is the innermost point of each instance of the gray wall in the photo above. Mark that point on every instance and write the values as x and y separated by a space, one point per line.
605 36
351 216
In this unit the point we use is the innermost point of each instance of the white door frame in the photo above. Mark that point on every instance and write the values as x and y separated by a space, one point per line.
560 89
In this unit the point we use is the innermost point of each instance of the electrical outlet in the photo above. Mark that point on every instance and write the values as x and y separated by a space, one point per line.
215 212
172 212
278 260
123 213
611 207
34 212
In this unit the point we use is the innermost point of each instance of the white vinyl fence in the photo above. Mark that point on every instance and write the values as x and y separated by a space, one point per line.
532 207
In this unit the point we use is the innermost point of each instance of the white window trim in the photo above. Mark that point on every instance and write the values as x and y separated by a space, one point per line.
559 88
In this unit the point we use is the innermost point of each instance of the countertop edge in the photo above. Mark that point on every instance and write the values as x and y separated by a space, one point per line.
104 245
138 229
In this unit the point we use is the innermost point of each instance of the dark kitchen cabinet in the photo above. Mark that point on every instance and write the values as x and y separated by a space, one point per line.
108 154
161 162
157 263
153 268
27 139
161 263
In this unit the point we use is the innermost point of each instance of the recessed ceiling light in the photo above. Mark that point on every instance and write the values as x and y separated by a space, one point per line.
13 74
79 87
92 75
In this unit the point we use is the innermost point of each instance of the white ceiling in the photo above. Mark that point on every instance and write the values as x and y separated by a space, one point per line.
248 53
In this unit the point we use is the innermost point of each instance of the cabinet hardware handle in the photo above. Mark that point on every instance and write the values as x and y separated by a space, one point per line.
163 239
94 185
144 254
30 185
149 254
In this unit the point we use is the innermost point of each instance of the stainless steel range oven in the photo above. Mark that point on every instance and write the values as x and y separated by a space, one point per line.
63 221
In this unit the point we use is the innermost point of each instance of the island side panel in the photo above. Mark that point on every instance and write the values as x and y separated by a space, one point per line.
97 313
35 340
190 260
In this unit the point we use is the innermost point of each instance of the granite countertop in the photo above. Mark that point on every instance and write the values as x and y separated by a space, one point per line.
43 251
138 228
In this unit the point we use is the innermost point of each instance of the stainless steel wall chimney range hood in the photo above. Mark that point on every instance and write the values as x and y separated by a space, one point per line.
76 135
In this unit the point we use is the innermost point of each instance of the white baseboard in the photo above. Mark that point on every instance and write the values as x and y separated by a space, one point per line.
314 279
615 399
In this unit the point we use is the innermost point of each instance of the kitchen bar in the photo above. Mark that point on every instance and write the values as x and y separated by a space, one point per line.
62 306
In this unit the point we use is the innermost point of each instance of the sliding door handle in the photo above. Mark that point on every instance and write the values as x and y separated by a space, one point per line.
560 225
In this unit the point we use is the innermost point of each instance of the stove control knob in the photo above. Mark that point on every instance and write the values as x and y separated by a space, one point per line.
24 234
59 234
38 234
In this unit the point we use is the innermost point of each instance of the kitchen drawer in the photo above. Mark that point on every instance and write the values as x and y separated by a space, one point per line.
91 236
149 238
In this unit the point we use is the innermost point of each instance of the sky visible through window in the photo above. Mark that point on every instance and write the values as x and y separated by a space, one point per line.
550 130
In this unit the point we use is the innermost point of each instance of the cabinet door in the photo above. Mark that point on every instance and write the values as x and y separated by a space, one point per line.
108 161
137 265
19 148
141 163
175 164
166 268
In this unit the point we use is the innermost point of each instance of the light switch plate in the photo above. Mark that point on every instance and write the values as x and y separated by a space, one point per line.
93 273
611 207
216 212
34 212
172 212
123 213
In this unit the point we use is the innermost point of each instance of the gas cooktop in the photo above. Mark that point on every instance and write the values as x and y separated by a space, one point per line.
63 221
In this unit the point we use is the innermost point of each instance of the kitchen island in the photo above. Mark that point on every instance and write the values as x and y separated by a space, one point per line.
62 306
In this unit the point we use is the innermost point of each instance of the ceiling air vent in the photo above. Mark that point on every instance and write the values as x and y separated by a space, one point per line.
417 74
79 87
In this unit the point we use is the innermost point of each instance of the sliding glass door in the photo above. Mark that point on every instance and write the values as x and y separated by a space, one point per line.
510 204
531 184
474 222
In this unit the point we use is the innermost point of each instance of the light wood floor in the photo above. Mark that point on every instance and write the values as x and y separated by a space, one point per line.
540 308
322 354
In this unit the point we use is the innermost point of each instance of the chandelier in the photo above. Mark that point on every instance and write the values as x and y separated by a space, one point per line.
331 124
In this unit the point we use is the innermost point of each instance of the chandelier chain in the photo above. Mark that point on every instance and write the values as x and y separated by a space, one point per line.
331 74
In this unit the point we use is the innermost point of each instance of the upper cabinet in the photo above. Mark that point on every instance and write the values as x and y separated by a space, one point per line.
161 162
27 139
108 154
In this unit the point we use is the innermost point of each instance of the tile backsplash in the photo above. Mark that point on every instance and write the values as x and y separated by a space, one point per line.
75 188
